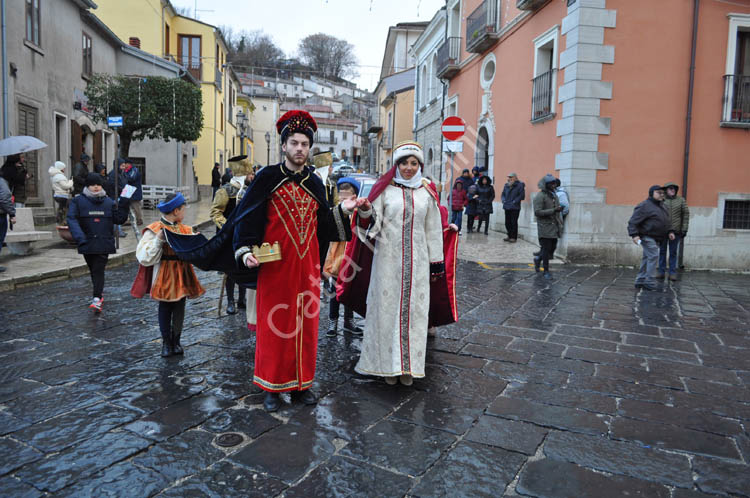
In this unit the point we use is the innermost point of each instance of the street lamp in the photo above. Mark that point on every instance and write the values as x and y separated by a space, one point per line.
242 122
268 148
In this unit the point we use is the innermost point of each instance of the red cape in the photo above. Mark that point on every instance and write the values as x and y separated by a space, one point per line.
354 274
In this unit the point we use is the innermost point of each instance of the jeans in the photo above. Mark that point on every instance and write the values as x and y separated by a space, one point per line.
171 317
137 208
511 223
457 217
648 262
3 228
333 310
97 264
673 246
547 252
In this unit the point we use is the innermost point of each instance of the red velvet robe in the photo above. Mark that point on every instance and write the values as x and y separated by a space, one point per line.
288 300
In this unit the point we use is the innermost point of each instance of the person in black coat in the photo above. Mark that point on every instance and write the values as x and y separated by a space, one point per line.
486 194
215 179
91 218
15 173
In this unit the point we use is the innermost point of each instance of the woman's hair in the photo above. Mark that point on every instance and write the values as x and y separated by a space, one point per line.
482 180
402 160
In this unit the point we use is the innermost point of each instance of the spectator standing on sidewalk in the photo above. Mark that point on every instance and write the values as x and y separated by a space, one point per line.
466 179
61 189
472 199
91 218
679 219
7 212
80 172
514 192
547 210
133 178
486 194
215 179
109 187
167 279
458 203
648 227
562 196
15 173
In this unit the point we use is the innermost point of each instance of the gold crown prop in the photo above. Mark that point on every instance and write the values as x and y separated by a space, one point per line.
266 252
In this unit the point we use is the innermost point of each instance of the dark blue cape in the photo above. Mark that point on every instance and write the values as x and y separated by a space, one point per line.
246 224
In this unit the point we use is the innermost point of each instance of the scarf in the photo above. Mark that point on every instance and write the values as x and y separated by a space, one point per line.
414 182
94 195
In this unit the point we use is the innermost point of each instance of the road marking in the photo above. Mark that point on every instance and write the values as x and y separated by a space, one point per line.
505 268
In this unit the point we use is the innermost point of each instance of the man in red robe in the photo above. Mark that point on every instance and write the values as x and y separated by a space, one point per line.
286 203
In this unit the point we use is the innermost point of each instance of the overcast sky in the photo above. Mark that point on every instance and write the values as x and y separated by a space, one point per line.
363 23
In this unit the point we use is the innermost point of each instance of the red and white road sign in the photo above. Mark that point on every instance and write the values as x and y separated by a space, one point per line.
453 128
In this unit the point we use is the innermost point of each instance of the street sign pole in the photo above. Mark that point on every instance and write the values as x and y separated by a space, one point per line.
453 129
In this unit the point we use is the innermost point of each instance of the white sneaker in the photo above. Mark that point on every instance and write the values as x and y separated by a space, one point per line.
96 304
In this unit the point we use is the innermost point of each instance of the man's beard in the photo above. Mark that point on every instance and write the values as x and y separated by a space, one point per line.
297 161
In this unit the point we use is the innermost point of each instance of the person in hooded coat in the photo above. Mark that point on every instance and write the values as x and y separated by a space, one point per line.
61 189
679 220
486 194
547 210
649 227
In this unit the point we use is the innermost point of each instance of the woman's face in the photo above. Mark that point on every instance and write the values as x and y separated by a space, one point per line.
95 188
408 168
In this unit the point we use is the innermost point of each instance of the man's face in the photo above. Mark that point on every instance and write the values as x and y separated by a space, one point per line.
297 148
466 174
671 191
511 180
658 195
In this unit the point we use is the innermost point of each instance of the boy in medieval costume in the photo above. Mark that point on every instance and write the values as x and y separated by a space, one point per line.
410 284
225 200
167 279
348 188
285 204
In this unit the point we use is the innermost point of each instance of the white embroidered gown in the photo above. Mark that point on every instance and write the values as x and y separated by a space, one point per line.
409 236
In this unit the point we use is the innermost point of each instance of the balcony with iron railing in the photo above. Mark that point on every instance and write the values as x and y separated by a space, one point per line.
447 57
482 27
542 95
736 112
326 139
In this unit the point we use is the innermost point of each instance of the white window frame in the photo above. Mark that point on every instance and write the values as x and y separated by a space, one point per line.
448 103
736 21
449 21
65 139
552 34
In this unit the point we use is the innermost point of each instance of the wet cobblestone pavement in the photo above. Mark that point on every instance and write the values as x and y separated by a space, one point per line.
579 387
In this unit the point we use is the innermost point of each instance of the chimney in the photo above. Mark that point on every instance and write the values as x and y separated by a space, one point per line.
134 41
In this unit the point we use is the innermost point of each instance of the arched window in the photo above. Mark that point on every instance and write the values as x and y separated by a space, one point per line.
434 81
425 84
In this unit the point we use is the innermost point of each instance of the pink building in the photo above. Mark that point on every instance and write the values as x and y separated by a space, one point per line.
598 92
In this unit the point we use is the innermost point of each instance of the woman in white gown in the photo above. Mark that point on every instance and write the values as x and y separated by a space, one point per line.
406 224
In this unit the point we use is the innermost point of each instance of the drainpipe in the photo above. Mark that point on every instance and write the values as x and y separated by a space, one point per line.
5 73
442 109
689 119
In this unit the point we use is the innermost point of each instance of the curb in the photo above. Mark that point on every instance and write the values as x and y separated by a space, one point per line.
75 271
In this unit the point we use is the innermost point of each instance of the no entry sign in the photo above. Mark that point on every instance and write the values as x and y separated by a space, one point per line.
453 128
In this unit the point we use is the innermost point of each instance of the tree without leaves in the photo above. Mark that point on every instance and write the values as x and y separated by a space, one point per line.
252 48
332 56
154 107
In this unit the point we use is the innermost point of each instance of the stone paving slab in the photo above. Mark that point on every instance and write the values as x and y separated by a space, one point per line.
582 386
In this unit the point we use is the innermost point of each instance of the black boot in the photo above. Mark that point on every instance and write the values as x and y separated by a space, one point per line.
334 330
537 262
351 327
307 397
241 304
231 310
272 402
166 345
176 348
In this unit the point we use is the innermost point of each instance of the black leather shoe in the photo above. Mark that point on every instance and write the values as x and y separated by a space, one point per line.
350 327
272 402
307 397
231 310
241 304
537 262
176 347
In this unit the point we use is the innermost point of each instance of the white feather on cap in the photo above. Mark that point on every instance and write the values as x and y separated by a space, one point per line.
406 149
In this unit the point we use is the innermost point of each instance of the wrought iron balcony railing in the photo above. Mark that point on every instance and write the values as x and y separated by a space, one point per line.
541 97
447 57
482 27
736 99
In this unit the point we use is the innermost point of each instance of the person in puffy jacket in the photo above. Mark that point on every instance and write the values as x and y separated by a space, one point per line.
514 192
679 220
486 194
91 218
472 199
458 203
61 189
649 227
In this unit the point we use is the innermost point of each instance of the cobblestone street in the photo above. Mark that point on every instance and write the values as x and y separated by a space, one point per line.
582 386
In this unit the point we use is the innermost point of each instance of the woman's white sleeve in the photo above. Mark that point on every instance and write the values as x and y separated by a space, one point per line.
148 252
434 228
376 215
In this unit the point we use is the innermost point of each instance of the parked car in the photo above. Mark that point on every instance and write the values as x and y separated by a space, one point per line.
366 182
